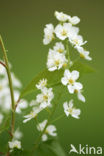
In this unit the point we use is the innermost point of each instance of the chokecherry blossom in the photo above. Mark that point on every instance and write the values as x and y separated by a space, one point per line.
48 34
61 16
83 53
59 47
32 114
70 110
50 130
42 83
45 97
69 80
55 60
14 144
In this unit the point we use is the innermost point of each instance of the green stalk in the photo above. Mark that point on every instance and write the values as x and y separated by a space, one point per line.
10 84
49 118
68 54
58 118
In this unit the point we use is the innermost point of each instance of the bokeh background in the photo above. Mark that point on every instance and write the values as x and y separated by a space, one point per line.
21 26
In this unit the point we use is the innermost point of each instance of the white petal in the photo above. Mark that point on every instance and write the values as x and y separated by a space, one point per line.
75 75
64 81
65 105
78 85
76 113
51 130
71 89
81 97
44 137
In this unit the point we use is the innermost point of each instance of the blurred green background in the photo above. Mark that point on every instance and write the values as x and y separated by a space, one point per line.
21 26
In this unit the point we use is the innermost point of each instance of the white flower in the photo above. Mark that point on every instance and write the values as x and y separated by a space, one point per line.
55 60
17 134
70 110
59 47
48 34
69 79
50 130
1 118
32 115
61 16
42 83
45 97
66 30
21 105
77 40
14 144
62 31
83 53
74 20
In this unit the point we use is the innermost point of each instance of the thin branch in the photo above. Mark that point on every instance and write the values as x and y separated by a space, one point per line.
11 87
3 64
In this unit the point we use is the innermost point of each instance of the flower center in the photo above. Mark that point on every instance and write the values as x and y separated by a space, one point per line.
82 55
71 81
60 50
45 97
57 62
64 33
76 41
70 110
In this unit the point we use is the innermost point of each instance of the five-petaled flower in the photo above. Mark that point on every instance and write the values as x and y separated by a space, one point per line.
69 80
32 114
42 83
56 60
45 97
50 130
14 144
70 110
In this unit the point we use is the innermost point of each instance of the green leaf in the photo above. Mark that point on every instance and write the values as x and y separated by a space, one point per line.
82 68
5 125
54 78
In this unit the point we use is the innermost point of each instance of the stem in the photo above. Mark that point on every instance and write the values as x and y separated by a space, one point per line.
49 118
68 54
59 117
10 84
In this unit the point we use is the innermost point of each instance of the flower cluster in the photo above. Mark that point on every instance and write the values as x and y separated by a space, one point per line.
64 33
65 30
43 100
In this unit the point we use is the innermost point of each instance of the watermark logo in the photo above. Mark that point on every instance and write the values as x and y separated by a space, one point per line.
86 150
